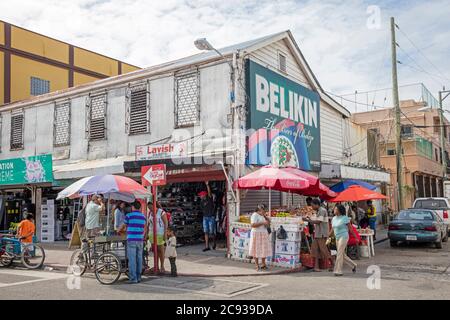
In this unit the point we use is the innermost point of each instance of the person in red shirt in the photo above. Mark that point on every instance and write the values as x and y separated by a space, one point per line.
26 229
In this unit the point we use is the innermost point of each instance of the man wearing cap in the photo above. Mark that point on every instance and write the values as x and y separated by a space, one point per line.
209 219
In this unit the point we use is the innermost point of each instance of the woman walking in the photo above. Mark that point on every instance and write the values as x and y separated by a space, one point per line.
341 227
260 246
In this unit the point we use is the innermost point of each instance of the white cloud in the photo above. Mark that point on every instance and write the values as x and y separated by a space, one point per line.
345 54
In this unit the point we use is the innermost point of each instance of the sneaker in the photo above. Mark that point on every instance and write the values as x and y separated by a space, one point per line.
206 249
214 246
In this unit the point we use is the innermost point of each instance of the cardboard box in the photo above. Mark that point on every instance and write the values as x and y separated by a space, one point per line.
242 233
286 261
287 247
241 243
293 236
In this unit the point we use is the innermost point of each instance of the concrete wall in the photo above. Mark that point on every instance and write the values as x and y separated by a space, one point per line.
214 107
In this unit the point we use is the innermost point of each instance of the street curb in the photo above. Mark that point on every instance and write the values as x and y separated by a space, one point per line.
380 241
58 267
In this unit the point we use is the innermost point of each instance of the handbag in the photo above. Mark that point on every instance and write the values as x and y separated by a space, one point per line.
281 233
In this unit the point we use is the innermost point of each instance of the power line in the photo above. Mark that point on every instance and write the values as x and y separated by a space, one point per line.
422 53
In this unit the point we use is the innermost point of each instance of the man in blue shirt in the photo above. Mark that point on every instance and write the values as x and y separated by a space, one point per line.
135 225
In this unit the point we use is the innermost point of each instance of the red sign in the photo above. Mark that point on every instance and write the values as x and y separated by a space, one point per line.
154 175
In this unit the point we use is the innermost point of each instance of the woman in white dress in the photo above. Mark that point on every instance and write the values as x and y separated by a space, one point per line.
260 246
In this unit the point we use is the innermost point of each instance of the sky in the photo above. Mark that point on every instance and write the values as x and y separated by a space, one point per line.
346 43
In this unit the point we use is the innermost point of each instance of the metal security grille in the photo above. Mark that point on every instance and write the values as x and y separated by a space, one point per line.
39 86
97 117
61 125
139 110
187 99
17 131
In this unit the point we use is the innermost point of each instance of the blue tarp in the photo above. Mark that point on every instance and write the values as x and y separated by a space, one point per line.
341 186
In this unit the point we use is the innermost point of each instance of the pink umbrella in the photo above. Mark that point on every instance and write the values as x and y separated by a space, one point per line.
316 188
272 178
269 177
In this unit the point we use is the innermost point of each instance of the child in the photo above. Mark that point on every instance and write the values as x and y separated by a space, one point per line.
171 251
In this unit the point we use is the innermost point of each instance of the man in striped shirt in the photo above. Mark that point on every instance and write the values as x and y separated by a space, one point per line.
135 225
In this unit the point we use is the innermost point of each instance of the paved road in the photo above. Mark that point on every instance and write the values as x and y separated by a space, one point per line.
407 272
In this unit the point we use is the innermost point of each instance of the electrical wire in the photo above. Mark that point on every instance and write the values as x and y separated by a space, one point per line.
422 53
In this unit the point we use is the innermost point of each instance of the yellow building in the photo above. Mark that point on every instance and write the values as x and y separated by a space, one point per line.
32 64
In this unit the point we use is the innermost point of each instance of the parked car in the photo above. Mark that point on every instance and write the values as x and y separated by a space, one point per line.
440 205
418 225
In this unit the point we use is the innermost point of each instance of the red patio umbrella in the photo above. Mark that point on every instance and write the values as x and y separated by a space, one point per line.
357 193
272 178
316 188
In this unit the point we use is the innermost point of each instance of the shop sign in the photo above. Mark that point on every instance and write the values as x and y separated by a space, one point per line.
161 151
27 170
284 121
364 174
154 175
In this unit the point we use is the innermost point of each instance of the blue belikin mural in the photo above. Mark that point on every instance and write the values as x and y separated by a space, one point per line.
284 121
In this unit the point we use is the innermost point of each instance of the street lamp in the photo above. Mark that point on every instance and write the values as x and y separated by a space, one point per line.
203 44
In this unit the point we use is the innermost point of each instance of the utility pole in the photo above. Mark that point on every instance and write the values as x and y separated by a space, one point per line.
396 101
442 131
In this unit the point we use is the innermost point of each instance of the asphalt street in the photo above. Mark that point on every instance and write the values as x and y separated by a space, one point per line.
406 272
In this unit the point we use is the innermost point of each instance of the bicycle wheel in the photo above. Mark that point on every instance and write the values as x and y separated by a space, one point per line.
78 262
6 257
33 256
108 268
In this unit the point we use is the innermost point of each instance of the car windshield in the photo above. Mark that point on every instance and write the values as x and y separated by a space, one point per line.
415 215
430 203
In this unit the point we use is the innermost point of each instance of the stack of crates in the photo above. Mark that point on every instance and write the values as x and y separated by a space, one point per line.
48 221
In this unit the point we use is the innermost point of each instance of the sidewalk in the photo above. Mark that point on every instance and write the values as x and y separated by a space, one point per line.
191 261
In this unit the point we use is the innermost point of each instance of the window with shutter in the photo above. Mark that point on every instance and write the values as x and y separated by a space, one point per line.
61 125
187 100
282 62
97 117
17 122
39 86
139 110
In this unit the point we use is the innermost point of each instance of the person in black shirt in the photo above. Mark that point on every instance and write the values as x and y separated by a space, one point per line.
209 217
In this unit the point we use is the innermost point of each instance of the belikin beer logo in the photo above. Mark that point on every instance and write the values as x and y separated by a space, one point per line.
285 119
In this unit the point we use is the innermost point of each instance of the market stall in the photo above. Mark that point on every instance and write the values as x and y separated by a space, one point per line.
287 228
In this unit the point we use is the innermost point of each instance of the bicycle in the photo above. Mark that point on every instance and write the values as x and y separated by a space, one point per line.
32 255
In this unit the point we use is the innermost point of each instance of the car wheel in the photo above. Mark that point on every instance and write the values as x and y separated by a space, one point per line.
439 244
445 239
393 243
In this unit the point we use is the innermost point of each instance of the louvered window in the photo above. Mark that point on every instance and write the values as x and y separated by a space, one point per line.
187 99
39 86
97 117
282 62
17 127
1 128
61 125
139 111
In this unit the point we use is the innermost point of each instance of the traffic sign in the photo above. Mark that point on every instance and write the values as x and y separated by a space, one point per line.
154 175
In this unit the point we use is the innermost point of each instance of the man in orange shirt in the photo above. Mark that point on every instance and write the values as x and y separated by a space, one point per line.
26 229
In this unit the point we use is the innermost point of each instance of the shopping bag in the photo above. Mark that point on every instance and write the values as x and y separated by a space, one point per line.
307 260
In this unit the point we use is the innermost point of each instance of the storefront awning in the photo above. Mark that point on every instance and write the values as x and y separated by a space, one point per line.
86 168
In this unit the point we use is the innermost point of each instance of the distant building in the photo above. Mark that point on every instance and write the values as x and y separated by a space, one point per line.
32 64
422 161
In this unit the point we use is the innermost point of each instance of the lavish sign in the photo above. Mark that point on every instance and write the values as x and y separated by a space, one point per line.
285 119
161 151
28 170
